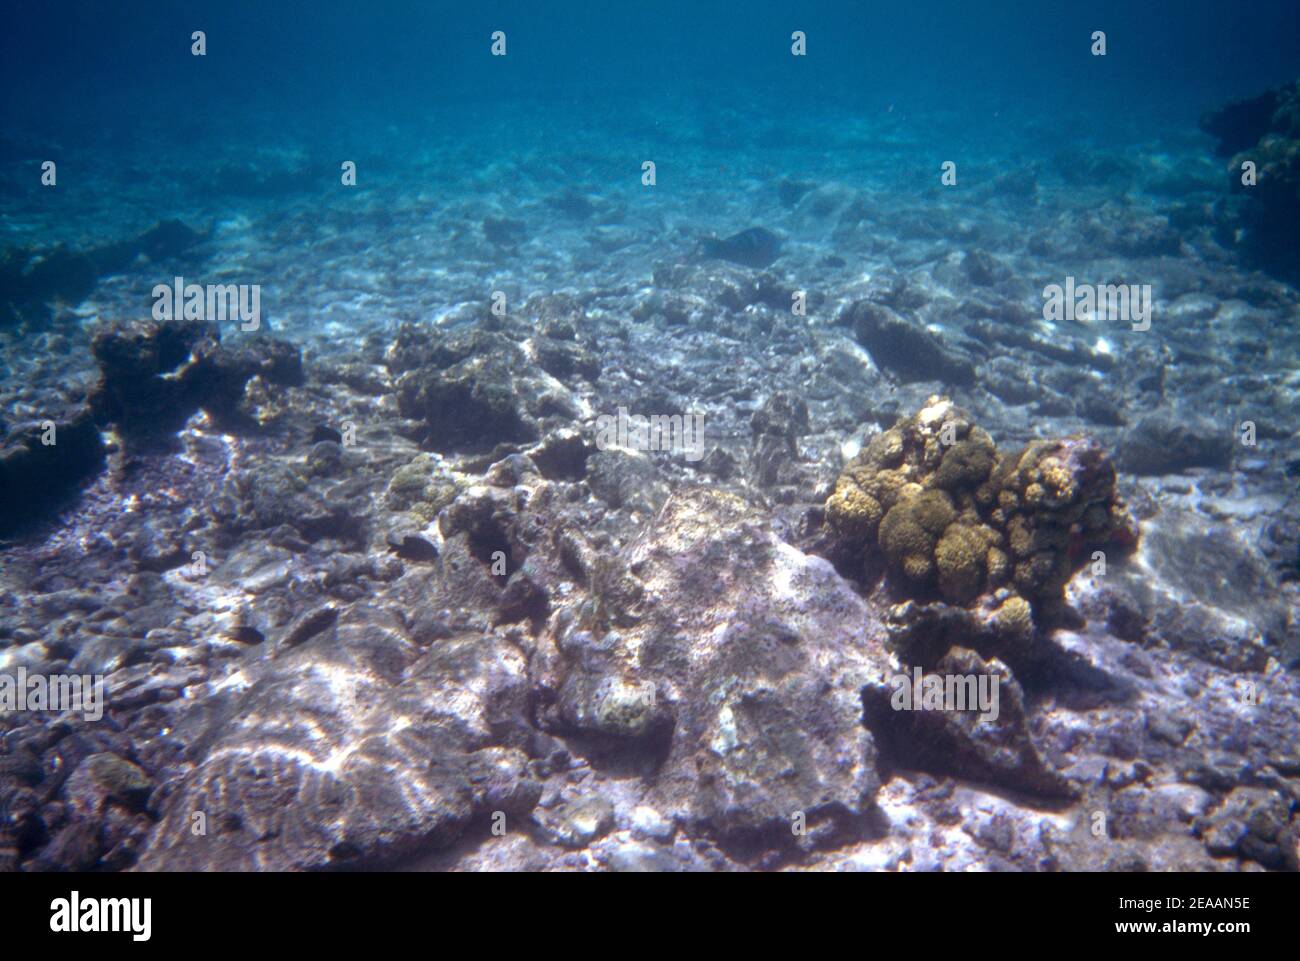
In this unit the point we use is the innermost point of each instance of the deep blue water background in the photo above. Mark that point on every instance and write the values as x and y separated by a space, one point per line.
103 68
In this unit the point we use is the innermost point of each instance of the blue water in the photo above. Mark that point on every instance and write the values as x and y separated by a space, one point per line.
100 71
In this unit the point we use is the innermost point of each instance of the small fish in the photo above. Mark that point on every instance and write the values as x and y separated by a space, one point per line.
755 247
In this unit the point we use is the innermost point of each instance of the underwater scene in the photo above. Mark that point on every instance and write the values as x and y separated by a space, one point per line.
690 436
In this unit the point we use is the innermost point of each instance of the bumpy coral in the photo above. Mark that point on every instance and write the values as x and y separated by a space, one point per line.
953 518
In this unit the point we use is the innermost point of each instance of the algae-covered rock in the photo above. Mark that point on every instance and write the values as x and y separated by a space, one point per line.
472 405
103 778
423 487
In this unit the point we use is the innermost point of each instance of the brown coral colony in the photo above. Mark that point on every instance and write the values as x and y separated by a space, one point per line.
948 514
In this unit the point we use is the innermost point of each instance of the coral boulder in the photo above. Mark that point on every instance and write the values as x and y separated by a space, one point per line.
949 517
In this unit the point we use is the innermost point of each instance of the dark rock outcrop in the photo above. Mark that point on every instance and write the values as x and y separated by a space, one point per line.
906 350
1165 443
1262 217
32 279
43 462
156 374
